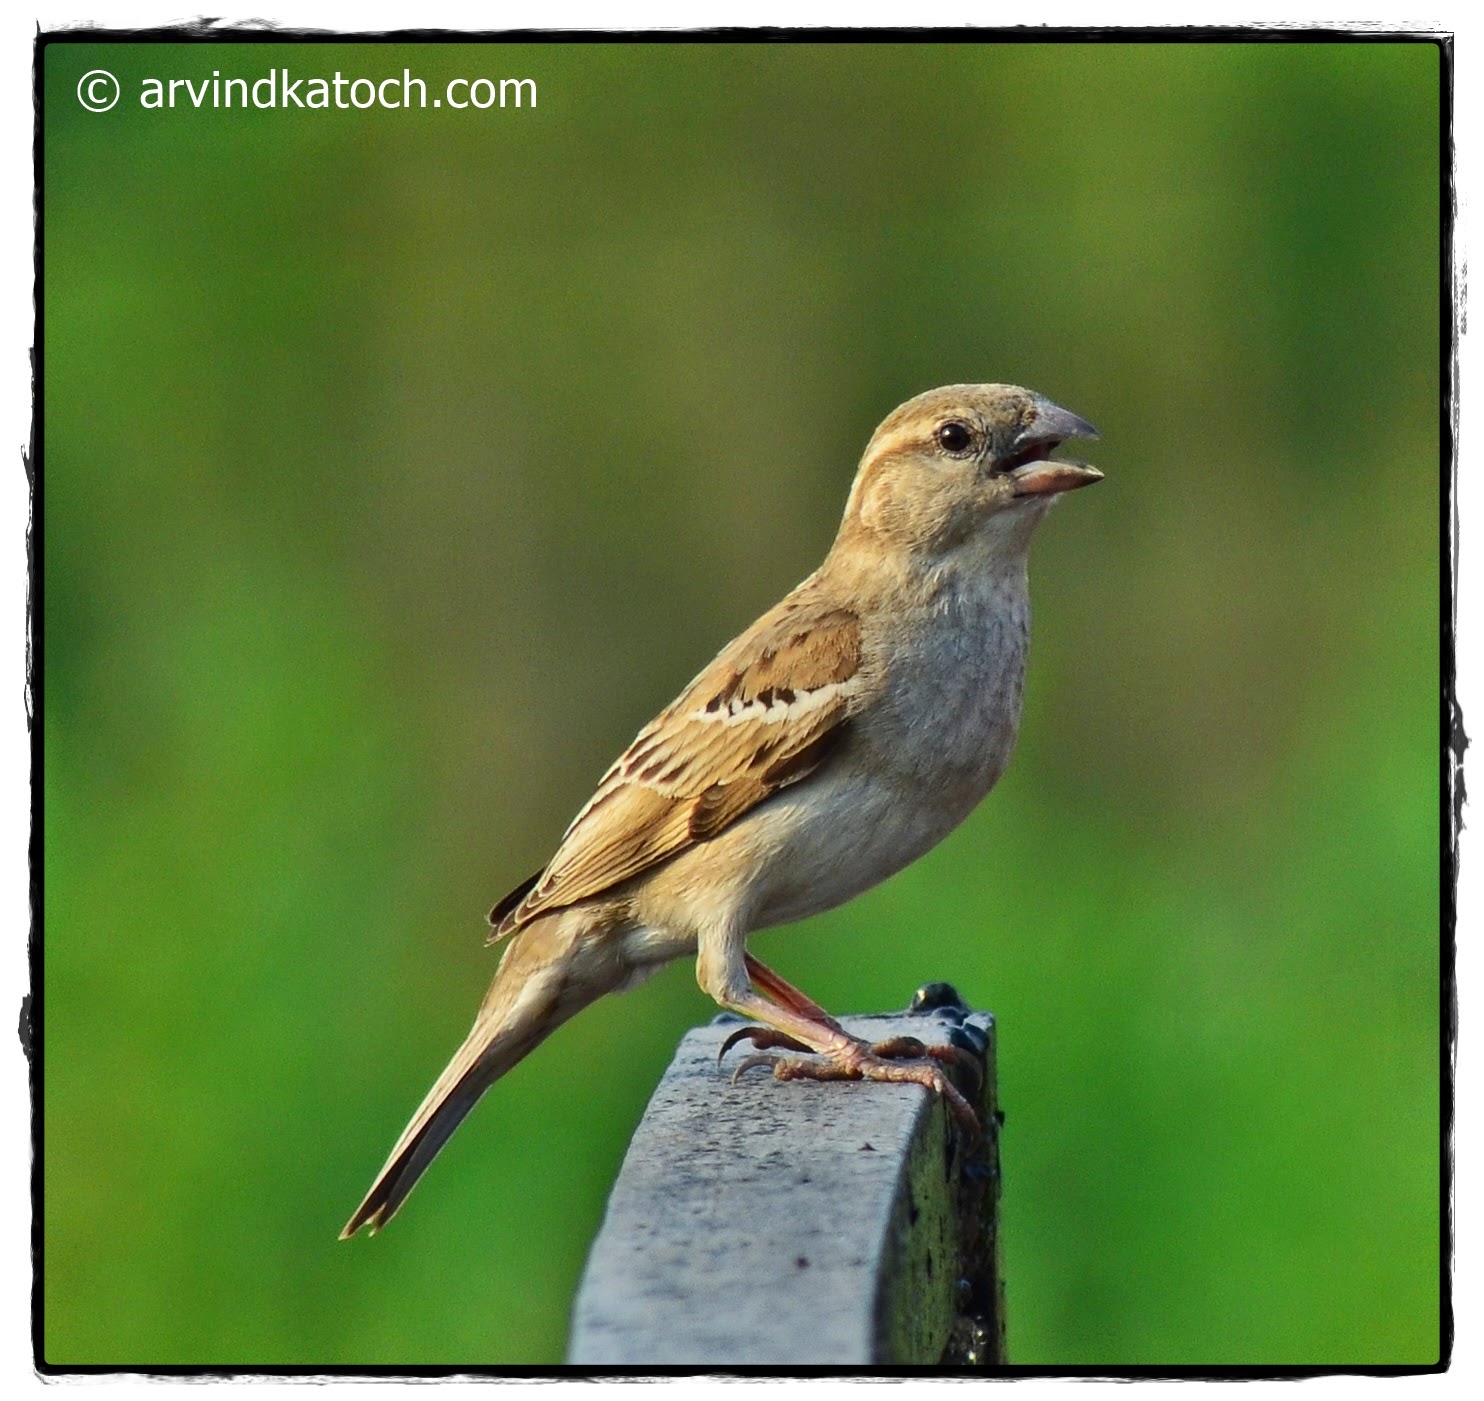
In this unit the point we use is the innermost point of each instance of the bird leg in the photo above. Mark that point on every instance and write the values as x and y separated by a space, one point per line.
786 1025
786 995
775 986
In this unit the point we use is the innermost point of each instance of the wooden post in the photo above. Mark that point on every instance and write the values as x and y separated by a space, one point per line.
768 1223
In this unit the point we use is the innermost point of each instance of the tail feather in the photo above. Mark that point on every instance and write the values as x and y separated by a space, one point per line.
479 1062
542 981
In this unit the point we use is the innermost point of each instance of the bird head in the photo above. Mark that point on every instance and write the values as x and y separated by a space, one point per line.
967 464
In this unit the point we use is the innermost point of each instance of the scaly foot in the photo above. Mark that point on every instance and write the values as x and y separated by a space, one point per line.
859 1061
910 1048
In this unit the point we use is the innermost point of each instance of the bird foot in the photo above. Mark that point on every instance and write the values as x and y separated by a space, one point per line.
910 1048
858 1061
762 1037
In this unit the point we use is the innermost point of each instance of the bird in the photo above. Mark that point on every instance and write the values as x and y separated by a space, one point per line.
837 739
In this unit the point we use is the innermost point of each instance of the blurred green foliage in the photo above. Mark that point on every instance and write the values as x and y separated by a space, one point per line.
399 465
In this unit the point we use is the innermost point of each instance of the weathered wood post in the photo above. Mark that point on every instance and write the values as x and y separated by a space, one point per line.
807 1223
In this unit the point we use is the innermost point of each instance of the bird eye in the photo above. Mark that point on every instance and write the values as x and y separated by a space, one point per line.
954 437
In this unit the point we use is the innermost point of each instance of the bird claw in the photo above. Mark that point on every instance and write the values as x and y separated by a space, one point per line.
753 1062
910 1048
764 1038
798 1068
900 1047
869 1064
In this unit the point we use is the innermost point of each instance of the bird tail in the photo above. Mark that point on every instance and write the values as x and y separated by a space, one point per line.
542 981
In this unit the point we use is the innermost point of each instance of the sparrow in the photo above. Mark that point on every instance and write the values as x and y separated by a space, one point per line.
841 736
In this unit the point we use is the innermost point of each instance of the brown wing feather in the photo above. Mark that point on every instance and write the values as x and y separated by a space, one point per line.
763 715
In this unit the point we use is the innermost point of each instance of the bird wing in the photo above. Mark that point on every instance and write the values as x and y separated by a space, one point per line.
763 715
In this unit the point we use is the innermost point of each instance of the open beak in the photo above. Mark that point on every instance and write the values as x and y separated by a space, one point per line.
1049 478
1033 473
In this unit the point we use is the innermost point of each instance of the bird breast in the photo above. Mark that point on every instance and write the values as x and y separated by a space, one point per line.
920 757
950 709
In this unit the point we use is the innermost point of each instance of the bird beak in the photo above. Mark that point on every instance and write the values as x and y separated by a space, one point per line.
1038 475
1049 478
1052 424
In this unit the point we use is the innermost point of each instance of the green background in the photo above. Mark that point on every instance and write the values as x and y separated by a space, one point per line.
399 465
